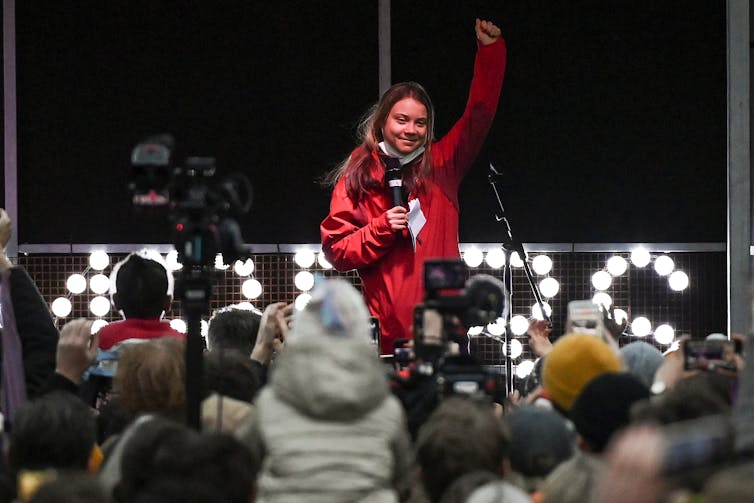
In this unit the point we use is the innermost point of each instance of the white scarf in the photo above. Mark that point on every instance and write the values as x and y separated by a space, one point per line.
403 159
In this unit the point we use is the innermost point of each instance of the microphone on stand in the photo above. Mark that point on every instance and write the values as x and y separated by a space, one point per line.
393 176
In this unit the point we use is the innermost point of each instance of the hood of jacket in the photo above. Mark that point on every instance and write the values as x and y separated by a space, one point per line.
330 378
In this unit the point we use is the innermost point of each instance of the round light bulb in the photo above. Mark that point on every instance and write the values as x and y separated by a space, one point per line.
61 307
541 264
251 289
601 280
99 284
641 327
678 281
323 262
516 260
664 265
616 265
620 316
304 258
97 325
76 283
497 328
99 306
243 268
473 257
99 260
640 257
178 324
602 299
549 287
301 301
304 281
524 368
664 334
516 348
475 330
495 258
536 312
519 325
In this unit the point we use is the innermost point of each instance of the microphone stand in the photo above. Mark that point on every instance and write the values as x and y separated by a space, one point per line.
509 246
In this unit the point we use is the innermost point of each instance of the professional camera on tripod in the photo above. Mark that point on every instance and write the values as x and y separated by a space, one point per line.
202 215
436 366
202 212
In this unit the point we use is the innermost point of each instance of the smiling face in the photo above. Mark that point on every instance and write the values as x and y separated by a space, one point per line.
405 127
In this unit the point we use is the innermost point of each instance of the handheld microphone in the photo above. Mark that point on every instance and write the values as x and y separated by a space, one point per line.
394 180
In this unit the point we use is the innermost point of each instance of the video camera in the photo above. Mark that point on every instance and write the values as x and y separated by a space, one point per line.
432 369
454 302
202 212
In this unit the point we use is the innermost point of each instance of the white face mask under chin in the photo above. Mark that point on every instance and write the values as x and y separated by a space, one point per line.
403 159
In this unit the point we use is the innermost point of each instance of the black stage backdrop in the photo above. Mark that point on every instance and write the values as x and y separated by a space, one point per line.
611 126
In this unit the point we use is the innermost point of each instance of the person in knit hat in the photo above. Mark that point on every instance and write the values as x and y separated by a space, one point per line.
575 359
330 427
642 360
604 407
541 439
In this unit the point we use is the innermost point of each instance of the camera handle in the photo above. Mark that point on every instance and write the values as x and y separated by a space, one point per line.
193 287
509 246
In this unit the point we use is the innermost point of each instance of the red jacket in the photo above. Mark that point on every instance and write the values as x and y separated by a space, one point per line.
359 236
134 328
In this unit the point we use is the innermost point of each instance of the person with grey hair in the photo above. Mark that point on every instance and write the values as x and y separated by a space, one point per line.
329 426
642 360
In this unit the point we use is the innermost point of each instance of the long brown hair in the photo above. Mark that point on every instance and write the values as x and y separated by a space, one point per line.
356 167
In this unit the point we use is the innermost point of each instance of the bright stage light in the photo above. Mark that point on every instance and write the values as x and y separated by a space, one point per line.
524 368
61 307
495 258
519 325
516 349
616 265
473 257
541 264
251 289
664 334
99 306
640 257
536 311
322 261
664 265
179 325
76 283
678 281
549 287
304 258
99 284
243 268
641 327
99 260
601 280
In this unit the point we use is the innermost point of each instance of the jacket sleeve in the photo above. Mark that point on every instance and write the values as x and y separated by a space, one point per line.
351 240
36 329
455 152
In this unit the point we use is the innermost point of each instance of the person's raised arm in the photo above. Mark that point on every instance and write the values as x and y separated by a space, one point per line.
457 150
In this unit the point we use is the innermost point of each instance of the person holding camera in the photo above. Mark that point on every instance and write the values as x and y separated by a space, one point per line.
370 226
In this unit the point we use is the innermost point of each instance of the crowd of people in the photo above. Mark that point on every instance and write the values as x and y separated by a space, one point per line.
299 406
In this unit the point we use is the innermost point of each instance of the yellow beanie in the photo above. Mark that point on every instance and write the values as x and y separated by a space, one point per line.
575 359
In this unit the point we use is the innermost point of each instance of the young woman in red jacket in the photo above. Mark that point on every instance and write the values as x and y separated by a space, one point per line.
388 243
